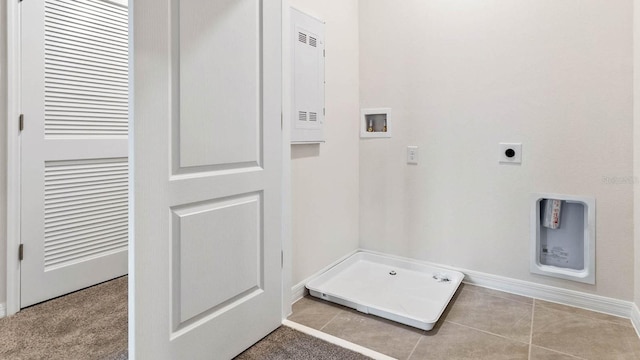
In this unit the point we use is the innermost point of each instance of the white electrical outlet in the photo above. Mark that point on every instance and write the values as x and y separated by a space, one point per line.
510 153
412 155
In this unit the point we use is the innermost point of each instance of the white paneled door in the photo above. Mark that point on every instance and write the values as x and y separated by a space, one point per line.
74 171
207 177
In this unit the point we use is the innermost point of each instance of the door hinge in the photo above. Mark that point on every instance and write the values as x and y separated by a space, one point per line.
282 259
21 252
281 121
21 122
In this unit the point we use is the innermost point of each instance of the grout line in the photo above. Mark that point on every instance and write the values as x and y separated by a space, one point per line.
542 347
584 316
415 347
560 352
533 312
486 332
476 288
333 318
471 286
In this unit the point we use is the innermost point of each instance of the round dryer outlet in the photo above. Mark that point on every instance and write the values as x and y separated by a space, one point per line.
510 153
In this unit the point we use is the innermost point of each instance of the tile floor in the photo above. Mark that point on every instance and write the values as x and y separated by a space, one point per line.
482 324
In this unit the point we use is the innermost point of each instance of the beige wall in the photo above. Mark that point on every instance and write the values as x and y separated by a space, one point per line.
325 177
462 76
3 152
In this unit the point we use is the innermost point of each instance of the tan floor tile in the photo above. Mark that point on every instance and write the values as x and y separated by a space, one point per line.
538 353
583 336
450 341
375 333
313 312
493 314
499 294
583 312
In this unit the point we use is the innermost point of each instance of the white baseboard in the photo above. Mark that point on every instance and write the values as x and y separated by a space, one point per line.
3 310
635 318
550 293
299 291
592 302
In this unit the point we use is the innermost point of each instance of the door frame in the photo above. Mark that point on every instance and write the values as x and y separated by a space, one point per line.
13 218
13 156
287 240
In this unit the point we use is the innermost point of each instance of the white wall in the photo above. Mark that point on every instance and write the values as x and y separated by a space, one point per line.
3 151
462 76
636 148
325 177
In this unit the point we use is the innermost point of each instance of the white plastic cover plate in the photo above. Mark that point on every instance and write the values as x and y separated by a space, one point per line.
510 153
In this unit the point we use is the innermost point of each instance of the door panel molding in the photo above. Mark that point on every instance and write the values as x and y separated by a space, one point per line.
188 204
220 287
195 76
206 150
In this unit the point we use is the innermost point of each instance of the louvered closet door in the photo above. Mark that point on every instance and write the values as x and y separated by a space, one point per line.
74 145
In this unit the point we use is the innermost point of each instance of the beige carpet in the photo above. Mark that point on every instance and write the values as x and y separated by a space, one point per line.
92 324
286 343
88 324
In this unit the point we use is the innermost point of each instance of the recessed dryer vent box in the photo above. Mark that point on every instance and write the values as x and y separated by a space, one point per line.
307 48
563 237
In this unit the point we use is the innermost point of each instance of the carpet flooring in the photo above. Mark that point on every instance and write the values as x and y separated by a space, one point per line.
88 324
92 324
286 343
